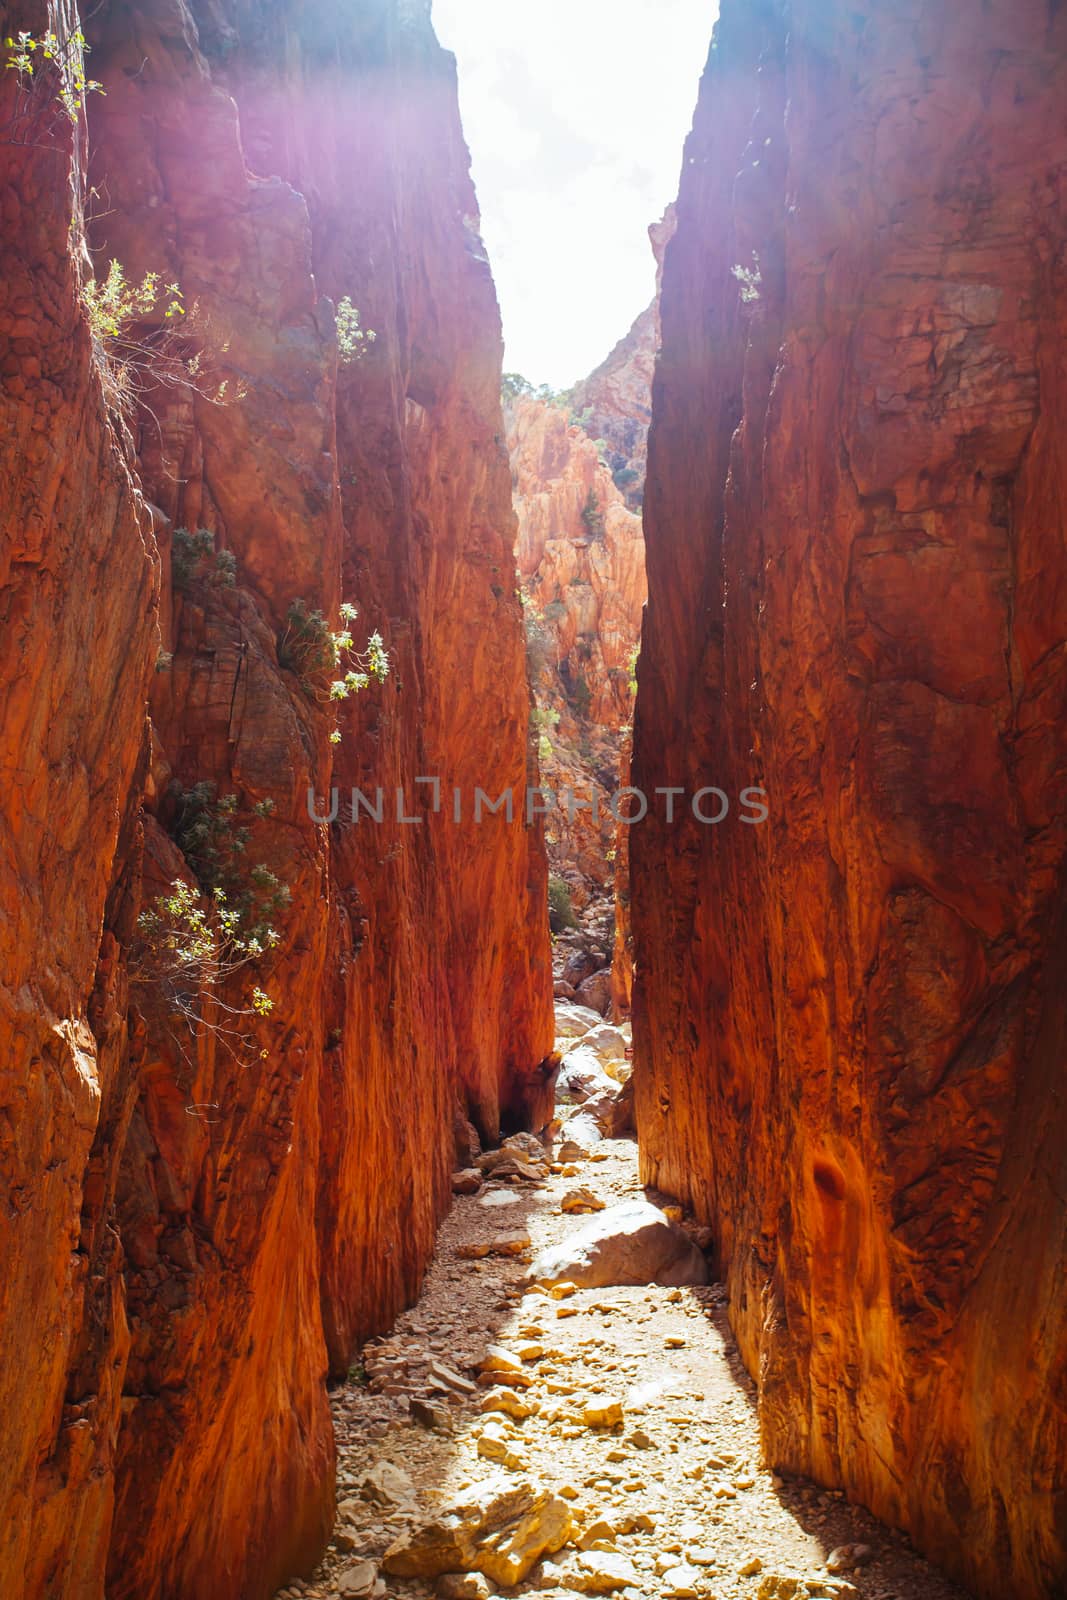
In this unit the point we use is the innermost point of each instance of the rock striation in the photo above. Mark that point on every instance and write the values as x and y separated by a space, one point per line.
207 1219
849 1020
581 564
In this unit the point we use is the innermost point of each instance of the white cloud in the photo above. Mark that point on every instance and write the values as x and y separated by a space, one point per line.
576 112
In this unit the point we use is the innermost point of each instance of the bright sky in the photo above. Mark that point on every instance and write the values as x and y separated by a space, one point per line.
575 112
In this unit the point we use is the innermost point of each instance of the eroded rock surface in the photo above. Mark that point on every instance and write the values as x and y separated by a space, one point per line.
849 1020
205 1221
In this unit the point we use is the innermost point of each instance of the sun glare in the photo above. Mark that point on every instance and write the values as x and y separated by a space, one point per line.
575 112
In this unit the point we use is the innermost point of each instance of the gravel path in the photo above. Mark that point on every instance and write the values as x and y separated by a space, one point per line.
678 1485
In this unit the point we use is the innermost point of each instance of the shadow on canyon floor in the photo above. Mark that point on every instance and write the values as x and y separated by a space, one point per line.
678 1482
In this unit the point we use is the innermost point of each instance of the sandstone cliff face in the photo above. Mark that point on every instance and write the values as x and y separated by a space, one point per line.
580 555
210 1219
849 1020
78 590
581 563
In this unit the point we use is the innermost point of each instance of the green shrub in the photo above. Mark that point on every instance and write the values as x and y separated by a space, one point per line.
581 697
226 569
135 343
593 516
352 340
204 826
190 941
326 660
560 910
189 551
186 952
749 279
58 55
513 387
539 640
114 305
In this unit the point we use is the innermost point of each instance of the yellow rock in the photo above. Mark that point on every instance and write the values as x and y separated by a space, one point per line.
500 1528
600 1530
497 1359
608 1414
778 1586
633 1521
511 1404
493 1447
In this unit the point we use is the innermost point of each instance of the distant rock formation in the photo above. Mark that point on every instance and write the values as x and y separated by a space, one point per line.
615 401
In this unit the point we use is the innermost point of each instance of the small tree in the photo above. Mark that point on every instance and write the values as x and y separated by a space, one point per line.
189 552
187 950
325 658
581 697
192 940
135 341
560 910
57 60
352 340
593 516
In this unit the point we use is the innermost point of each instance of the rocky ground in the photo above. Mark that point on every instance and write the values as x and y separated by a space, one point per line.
599 1440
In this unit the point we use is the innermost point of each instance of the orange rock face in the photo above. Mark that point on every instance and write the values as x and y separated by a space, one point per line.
207 1220
78 591
581 555
849 1020
581 561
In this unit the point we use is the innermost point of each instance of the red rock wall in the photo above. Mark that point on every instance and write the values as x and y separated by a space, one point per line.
849 1020
204 1230
78 594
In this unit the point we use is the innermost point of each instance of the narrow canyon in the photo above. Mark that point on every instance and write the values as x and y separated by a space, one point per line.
533 922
